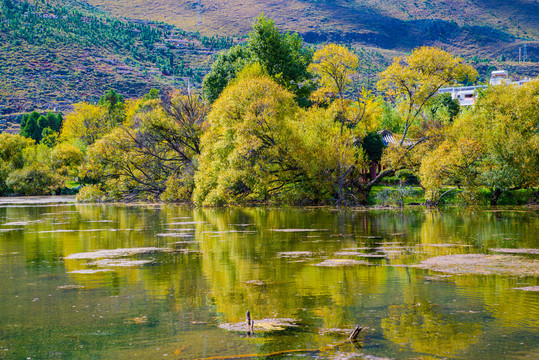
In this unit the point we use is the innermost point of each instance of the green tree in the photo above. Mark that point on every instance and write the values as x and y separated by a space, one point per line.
224 69
30 126
283 57
244 152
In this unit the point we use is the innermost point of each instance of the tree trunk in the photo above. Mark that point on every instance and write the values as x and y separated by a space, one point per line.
364 191
496 193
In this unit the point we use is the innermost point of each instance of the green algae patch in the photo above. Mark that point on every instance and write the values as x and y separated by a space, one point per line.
480 264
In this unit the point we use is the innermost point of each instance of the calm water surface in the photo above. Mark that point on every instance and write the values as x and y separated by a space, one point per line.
58 304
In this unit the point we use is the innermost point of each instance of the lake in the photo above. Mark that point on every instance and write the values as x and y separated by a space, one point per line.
162 281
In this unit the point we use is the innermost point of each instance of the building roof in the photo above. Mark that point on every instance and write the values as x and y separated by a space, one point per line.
388 138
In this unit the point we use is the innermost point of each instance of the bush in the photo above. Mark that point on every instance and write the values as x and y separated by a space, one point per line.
32 180
177 190
394 196
91 193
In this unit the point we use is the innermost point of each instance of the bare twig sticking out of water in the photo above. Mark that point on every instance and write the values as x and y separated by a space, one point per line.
353 336
250 323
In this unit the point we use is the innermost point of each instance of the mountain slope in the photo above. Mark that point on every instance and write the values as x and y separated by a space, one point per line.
518 18
53 56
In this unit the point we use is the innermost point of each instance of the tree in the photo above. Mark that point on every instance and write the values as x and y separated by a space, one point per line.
282 55
86 123
115 106
30 126
244 152
496 145
11 156
152 155
415 79
224 69
34 124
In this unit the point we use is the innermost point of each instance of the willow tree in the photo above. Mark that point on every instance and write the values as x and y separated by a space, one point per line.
244 152
494 146
334 66
151 156
415 79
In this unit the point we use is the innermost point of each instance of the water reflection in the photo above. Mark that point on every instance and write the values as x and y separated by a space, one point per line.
221 262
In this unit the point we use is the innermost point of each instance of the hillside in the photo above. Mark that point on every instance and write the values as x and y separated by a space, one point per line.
53 56
57 52
399 24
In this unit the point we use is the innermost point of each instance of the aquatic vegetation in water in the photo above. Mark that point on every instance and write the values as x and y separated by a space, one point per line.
19 223
482 265
296 230
295 254
528 288
262 325
255 282
517 251
178 234
445 245
100 254
12 229
119 263
342 262
89 271
140 320
70 287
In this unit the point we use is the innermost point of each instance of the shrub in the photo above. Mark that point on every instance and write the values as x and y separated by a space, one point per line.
91 193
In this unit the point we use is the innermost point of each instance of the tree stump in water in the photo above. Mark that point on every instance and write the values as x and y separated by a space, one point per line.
353 336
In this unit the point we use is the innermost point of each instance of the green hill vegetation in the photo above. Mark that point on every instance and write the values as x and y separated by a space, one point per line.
52 56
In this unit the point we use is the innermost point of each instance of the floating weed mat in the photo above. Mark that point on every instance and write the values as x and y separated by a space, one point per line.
176 234
296 230
482 265
517 251
70 287
341 262
295 254
100 254
262 325
119 263
255 282
20 223
527 288
89 271
445 245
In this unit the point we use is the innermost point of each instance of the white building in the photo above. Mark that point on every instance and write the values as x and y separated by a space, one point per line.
466 95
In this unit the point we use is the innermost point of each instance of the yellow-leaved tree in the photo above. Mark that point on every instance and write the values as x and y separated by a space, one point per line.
416 78
245 152
412 82
495 146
